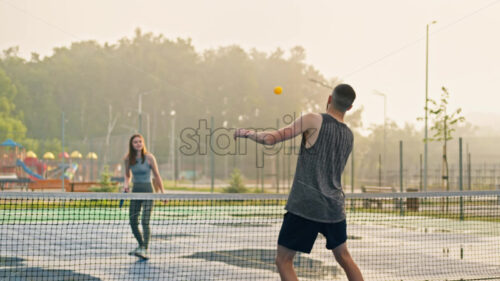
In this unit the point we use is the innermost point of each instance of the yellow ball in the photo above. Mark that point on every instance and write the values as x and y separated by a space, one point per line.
278 90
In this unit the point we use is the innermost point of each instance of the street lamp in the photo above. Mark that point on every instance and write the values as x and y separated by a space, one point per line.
385 122
426 100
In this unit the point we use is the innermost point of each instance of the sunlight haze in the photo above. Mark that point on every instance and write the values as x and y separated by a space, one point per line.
371 45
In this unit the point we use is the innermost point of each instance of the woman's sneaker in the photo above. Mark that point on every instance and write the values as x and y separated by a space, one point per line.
142 253
134 252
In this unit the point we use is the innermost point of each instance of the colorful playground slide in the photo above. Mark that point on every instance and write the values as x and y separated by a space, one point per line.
28 170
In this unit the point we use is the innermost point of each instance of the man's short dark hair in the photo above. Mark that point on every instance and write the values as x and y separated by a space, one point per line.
342 97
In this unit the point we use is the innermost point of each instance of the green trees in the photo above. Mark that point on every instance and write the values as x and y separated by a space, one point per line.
11 125
84 79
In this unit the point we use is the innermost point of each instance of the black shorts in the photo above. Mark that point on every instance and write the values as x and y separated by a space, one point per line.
299 234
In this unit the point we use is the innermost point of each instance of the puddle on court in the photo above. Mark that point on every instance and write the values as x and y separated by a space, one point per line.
264 259
11 261
17 271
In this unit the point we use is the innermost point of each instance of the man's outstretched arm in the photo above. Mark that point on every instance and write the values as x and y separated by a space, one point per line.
299 126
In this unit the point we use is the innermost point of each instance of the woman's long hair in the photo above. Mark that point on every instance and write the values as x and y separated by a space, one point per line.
132 153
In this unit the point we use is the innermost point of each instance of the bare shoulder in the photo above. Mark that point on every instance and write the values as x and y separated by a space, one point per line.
312 119
150 157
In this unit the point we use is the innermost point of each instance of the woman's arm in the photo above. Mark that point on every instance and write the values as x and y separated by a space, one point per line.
127 177
157 181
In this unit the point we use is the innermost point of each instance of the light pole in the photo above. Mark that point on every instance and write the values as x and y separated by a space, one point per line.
426 100
385 123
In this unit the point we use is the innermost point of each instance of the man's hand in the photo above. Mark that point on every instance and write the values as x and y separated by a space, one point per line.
242 133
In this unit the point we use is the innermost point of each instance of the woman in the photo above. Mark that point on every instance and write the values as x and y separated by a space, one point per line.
141 164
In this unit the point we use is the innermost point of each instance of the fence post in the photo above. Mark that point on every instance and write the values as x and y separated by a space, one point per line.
256 176
379 169
401 176
194 169
352 175
460 178
498 197
420 183
278 161
469 176
212 164
62 153
352 170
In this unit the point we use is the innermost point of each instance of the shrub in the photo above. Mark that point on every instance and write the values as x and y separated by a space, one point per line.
236 184
105 184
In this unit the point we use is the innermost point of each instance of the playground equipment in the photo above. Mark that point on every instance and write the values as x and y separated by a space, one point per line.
28 170
48 156
32 166
10 152
19 168
13 171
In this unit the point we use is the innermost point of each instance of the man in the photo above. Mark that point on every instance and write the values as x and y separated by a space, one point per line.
316 203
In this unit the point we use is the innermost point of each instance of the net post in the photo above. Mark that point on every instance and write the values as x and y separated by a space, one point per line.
460 178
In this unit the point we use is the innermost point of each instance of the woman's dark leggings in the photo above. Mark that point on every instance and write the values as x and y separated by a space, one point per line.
135 211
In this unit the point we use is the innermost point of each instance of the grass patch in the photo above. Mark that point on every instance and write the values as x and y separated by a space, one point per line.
193 189
208 189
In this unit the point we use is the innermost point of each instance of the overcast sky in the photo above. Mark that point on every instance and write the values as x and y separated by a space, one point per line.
373 45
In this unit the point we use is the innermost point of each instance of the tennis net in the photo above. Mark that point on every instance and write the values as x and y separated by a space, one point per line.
394 236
